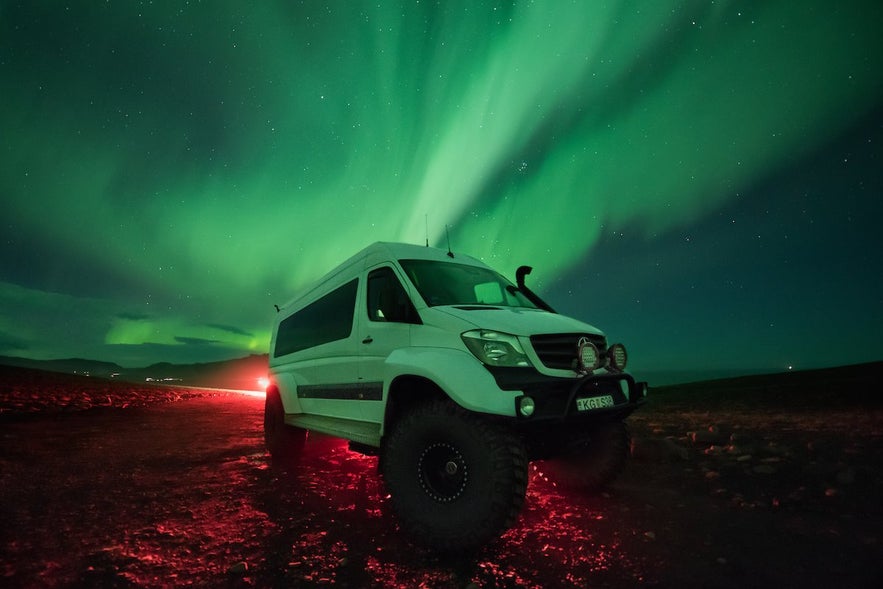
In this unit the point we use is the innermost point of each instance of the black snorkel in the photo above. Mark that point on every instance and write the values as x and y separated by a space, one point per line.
531 295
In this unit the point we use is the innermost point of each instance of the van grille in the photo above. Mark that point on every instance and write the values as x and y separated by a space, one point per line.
559 350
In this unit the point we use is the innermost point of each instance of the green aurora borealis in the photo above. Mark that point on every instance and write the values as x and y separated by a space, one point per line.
699 179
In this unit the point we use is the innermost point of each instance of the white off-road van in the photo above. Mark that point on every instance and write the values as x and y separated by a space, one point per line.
456 378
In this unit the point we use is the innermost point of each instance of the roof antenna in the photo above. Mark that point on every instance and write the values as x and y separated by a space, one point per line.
448 235
277 307
427 229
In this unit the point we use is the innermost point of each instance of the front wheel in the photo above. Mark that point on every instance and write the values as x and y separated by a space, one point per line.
456 480
590 460
285 442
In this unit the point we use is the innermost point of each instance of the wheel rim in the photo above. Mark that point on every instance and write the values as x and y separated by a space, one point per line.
443 472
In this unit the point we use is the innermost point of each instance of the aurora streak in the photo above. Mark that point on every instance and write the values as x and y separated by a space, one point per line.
172 170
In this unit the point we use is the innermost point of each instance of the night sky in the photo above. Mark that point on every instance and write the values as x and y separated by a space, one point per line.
701 180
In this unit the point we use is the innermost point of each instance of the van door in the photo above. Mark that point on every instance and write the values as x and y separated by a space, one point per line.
385 323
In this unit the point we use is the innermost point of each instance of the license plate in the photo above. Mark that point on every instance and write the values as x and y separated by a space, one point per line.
594 403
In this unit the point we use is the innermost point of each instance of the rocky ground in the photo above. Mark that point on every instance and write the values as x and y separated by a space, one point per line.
108 484
26 392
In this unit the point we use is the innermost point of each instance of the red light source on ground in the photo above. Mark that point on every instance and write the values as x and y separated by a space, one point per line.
263 383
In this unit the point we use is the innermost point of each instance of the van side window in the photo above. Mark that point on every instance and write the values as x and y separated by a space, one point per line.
387 300
325 320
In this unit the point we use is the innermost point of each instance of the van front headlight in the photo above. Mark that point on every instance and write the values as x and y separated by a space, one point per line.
495 348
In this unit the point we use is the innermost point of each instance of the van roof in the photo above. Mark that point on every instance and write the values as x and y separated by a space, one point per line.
381 251
410 251
384 251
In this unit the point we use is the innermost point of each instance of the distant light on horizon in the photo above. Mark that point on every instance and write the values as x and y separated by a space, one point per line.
256 394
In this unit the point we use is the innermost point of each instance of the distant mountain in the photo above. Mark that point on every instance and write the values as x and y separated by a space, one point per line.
661 378
241 373
67 366
864 381
823 388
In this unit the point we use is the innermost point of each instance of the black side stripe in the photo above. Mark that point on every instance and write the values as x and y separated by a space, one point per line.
363 391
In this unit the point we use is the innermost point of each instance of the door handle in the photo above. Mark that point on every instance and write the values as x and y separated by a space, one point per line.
368 340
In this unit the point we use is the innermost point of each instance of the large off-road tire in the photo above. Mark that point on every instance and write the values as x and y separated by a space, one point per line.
284 442
590 460
456 480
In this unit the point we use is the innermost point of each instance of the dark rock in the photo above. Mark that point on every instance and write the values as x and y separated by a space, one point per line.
240 568
657 450
710 437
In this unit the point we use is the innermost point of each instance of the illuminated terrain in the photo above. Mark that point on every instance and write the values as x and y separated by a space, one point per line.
182 493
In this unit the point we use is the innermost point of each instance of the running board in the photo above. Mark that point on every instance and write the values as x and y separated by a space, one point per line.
362 432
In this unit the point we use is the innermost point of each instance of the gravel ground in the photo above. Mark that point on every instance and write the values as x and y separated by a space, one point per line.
108 484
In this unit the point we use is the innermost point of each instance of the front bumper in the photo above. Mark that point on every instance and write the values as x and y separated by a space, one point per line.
555 399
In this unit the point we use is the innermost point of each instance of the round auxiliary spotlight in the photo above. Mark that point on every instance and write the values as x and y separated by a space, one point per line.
618 357
587 356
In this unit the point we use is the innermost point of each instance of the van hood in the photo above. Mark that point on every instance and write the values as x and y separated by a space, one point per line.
517 320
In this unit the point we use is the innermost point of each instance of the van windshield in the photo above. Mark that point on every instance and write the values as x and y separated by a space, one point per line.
448 283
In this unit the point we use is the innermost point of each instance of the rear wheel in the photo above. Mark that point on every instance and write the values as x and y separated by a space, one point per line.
456 480
285 442
591 459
